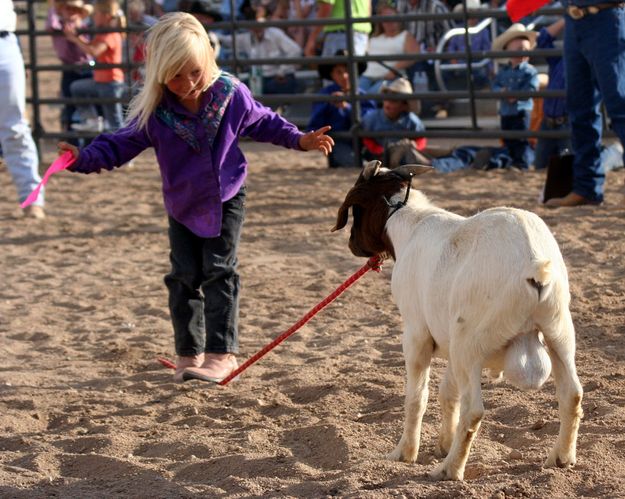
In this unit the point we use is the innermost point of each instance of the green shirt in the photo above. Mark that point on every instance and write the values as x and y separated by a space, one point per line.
360 8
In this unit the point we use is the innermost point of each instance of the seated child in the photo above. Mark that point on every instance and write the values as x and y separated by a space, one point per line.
394 115
106 48
338 114
70 13
517 75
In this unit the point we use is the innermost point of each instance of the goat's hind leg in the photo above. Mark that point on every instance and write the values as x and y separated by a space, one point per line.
560 337
449 403
468 379
418 355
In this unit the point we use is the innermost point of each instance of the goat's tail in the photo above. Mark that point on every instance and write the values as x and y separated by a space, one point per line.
540 275
527 364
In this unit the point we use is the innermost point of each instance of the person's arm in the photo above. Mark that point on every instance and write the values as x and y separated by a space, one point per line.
95 48
288 47
324 11
108 151
556 28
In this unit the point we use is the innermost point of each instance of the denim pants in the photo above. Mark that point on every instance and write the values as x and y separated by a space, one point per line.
87 87
594 57
545 148
18 147
342 154
519 149
204 284
67 78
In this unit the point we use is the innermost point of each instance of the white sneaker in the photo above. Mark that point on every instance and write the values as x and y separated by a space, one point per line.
612 157
90 125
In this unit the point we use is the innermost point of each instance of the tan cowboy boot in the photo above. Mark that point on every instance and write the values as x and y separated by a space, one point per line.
183 363
216 366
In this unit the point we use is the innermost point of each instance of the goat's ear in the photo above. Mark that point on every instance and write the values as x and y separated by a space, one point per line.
342 217
406 171
371 169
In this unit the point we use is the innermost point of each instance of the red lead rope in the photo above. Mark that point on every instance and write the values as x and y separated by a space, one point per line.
373 263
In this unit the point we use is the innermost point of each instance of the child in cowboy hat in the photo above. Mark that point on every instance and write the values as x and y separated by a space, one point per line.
394 115
338 114
517 75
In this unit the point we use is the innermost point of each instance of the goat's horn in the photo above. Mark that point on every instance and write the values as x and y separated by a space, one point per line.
406 171
371 169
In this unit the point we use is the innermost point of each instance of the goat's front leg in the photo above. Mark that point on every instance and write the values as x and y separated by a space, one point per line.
561 342
468 379
448 400
418 349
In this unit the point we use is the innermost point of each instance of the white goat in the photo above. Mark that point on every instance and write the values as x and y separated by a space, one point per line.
481 292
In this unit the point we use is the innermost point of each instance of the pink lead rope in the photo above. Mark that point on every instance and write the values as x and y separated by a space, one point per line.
374 263
63 162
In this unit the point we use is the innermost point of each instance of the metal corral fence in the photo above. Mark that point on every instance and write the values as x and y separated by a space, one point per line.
240 67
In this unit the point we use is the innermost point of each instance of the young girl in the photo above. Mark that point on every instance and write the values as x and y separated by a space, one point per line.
193 114
106 48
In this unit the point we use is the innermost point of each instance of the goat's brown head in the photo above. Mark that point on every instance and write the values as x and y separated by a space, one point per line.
369 200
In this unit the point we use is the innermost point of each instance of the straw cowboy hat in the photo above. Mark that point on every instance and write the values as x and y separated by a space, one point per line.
401 86
87 9
325 70
517 30
471 5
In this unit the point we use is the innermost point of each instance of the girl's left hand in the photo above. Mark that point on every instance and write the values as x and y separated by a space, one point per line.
317 140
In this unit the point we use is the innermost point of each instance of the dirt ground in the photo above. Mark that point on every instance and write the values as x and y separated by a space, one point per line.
86 411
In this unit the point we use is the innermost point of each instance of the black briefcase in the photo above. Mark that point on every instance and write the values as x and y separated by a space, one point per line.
559 181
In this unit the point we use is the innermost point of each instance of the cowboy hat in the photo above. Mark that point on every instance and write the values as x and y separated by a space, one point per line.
401 86
517 30
325 70
87 9
471 5
207 8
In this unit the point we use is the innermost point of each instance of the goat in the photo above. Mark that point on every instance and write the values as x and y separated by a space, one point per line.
483 292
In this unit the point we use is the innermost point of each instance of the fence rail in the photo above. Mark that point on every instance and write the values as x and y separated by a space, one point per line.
239 66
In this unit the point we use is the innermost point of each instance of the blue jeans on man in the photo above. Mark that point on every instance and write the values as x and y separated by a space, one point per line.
594 55
204 284
113 113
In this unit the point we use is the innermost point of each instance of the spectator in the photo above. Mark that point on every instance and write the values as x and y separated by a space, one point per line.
517 75
16 141
427 34
269 43
300 9
334 34
69 13
138 18
555 116
480 42
395 115
389 38
338 114
593 58
106 83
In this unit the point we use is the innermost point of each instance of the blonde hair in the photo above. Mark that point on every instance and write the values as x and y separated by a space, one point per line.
112 8
172 42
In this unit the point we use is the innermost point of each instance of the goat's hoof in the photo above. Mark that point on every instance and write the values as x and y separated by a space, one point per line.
442 472
399 455
555 460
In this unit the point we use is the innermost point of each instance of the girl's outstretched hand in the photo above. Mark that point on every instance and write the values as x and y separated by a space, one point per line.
317 140
64 146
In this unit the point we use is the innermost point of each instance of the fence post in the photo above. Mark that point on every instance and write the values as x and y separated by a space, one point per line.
353 82
37 129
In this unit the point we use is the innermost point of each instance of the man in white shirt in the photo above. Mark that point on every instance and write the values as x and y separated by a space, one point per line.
18 147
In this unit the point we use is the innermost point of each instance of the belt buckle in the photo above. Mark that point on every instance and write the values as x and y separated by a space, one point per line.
575 12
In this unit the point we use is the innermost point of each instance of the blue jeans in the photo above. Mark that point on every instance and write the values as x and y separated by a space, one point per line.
87 87
594 57
18 148
519 149
545 148
342 154
204 284
462 157
279 85
67 78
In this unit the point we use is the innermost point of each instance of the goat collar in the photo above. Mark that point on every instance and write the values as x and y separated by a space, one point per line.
399 204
